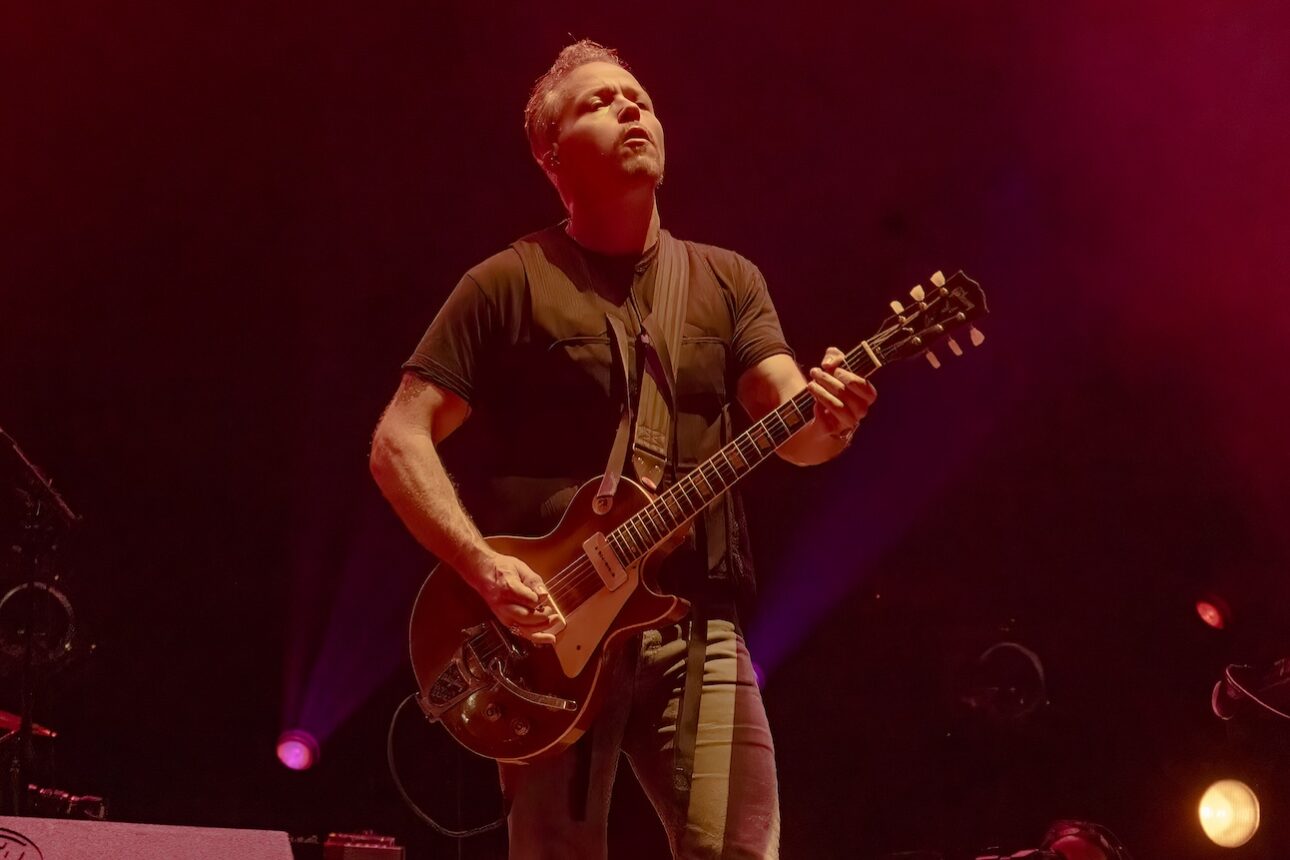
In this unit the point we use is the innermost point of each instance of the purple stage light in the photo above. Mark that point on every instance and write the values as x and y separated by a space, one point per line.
297 749
329 672
760 674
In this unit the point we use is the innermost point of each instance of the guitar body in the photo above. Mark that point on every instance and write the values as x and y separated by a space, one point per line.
503 697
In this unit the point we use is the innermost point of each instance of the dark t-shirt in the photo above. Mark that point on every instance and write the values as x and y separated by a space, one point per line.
539 379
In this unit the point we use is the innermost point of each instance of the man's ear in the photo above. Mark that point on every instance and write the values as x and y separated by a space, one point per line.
550 164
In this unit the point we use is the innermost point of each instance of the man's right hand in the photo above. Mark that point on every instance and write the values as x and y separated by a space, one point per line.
517 595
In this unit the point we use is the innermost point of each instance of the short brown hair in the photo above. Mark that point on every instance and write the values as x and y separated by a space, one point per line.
541 114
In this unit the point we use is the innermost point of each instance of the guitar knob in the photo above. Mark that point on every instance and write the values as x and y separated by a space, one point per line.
520 726
492 712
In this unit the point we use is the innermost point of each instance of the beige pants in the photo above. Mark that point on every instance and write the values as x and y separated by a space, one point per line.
733 809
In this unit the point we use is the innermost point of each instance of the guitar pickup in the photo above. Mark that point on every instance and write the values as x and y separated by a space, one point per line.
605 560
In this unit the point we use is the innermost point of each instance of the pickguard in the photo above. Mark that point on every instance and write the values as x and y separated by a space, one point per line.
586 626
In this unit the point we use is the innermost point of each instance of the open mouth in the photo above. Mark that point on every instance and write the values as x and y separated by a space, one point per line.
637 133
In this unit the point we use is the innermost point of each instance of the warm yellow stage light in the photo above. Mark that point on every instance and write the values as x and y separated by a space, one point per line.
1229 813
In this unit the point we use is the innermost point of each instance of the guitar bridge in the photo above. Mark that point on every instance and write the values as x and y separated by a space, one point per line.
453 684
463 676
555 703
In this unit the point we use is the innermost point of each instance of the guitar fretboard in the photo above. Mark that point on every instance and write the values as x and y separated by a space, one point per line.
704 484
949 305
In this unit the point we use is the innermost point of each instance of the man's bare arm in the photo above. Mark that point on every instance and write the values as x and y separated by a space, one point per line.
406 466
841 400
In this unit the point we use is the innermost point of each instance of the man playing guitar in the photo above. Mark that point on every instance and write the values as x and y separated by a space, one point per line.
536 368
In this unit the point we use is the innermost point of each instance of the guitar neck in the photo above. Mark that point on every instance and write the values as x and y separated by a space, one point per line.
705 484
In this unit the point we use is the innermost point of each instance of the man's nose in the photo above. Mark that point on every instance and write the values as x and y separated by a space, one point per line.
629 112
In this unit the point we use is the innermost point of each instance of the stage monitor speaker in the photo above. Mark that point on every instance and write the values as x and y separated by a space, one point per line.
62 839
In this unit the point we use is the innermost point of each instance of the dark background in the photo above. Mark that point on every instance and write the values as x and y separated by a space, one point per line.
225 225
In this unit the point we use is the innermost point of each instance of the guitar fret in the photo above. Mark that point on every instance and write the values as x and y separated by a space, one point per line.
637 539
683 497
726 460
665 514
648 524
741 461
658 527
702 494
622 547
783 431
687 486
642 526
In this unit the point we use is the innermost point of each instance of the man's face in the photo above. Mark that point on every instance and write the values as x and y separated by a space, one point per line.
607 131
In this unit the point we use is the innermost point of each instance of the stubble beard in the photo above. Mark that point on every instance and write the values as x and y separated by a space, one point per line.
645 166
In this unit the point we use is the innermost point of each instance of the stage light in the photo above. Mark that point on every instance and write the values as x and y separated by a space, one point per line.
1213 610
297 749
1229 813
1005 685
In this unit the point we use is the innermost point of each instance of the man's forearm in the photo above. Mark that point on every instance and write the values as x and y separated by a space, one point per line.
407 468
811 446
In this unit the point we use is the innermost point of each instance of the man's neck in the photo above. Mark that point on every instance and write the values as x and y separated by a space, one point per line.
621 225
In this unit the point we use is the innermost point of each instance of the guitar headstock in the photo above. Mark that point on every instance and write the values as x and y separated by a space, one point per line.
935 315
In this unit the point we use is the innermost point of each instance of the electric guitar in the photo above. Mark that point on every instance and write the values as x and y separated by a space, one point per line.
505 698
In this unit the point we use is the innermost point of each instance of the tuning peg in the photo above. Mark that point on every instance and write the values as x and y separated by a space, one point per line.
954 346
975 334
917 293
898 307
938 279
932 359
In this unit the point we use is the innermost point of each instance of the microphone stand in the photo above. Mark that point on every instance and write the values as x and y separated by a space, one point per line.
38 546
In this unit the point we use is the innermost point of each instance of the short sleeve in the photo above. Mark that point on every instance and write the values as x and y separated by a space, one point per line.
757 333
453 349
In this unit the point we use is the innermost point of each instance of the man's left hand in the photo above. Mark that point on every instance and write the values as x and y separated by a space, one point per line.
841 397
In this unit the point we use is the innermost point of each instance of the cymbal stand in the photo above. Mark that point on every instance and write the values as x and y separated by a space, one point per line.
46 514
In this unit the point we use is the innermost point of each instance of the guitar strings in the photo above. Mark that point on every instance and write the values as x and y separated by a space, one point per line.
570 578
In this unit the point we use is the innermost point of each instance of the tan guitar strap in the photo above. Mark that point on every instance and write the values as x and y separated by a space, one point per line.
604 500
553 270
655 443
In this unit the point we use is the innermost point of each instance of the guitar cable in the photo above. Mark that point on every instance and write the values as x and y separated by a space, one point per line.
412 805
